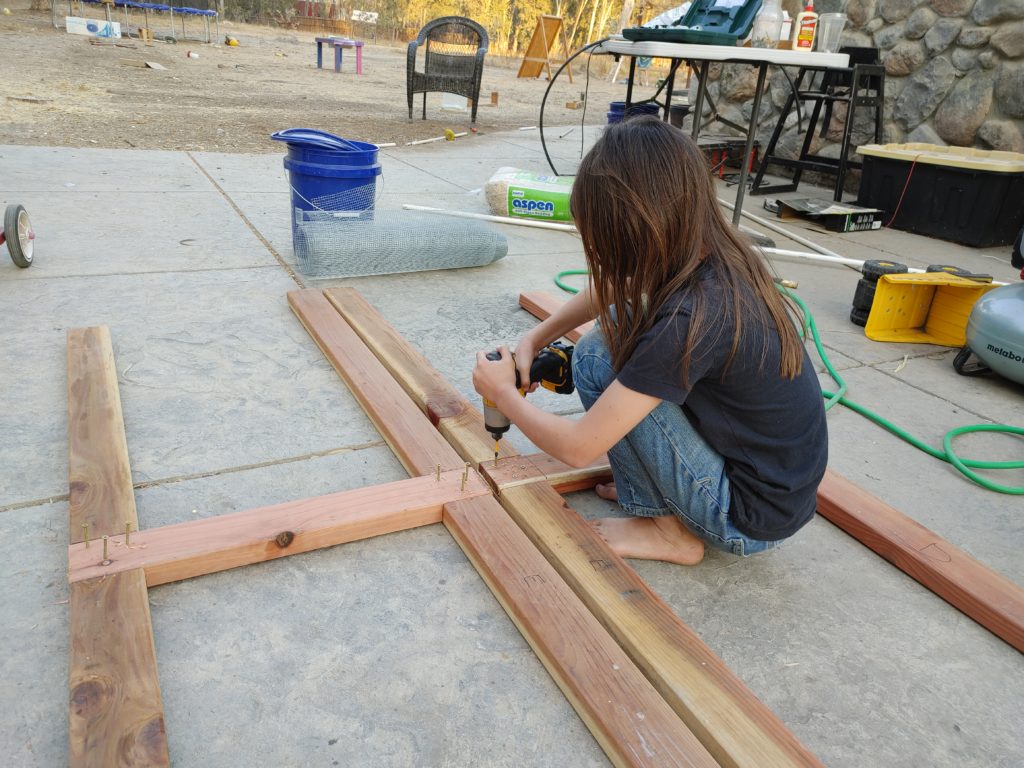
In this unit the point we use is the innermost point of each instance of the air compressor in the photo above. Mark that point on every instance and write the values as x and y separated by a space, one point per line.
995 328
995 335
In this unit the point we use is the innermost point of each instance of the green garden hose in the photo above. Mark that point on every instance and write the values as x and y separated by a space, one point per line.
965 466
567 273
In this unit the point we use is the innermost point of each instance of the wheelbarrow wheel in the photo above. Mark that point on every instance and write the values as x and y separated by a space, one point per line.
18 233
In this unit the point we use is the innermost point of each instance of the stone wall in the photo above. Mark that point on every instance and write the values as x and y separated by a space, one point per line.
954 75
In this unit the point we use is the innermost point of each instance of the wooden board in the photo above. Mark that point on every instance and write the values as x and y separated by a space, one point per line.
487 535
735 726
449 411
546 35
542 305
116 712
197 547
520 470
629 719
420 450
989 598
99 477
728 719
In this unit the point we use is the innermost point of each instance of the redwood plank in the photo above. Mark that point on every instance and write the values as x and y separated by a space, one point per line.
564 654
542 305
116 712
399 421
99 477
628 718
520 470
729 720
448 410
198 547
989 598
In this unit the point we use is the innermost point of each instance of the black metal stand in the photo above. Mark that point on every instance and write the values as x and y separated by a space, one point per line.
861 85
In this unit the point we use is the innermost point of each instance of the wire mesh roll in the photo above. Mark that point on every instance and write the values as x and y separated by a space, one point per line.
389 242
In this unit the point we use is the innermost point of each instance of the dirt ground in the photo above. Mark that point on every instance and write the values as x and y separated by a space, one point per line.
61 90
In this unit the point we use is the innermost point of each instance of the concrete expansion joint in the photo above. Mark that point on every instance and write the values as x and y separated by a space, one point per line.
258 465
245 219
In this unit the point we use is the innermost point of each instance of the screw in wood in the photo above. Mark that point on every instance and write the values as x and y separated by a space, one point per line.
127 530
85 534
105 548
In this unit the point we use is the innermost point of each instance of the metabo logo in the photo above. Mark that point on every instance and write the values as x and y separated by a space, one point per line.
537 207
1009 354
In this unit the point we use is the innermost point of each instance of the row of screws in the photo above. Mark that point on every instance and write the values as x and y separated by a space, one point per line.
465 476
127 533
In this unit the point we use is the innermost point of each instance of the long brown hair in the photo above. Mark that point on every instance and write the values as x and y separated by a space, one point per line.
645 207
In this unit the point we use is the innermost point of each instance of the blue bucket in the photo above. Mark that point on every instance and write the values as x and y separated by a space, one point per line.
329 175
617 110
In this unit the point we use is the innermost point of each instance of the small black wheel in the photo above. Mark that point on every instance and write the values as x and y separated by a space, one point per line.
963 366
19 235
864 296
859 316
875 268
949 269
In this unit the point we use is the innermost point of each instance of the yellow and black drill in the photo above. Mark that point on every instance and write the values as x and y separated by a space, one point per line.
552 369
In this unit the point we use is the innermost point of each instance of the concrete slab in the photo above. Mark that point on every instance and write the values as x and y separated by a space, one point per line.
228 404
201 389
51 169
367 643
93 233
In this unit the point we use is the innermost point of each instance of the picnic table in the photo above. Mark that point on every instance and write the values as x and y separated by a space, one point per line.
339 44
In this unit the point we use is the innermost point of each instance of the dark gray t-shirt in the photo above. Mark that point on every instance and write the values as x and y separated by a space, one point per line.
771 431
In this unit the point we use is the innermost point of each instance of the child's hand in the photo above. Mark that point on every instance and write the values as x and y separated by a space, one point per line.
491 377
526 351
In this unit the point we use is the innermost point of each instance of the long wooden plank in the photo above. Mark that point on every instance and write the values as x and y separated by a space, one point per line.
520 470
197 547
419 450
631 722
116 713
564 655
542 305
448 410
99 476
730 721
989 598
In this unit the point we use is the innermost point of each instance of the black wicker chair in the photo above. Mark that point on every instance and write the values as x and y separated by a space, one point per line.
453 60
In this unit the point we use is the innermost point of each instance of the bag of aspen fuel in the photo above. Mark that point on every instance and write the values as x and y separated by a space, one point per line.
514 192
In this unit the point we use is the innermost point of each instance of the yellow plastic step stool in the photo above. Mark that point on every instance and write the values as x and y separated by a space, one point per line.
930 308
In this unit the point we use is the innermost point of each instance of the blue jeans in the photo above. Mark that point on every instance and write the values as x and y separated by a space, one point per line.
663 466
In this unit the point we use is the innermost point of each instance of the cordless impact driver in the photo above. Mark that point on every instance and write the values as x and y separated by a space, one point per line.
552 369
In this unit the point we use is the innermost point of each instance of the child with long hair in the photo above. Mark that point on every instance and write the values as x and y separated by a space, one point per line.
695 380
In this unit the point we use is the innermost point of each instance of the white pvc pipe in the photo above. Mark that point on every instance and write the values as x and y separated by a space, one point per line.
437 138
496 219
782 231
840 261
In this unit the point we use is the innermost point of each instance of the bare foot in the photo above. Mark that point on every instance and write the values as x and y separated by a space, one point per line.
607 491
651 538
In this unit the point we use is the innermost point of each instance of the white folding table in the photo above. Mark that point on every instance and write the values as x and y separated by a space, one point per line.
703 56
